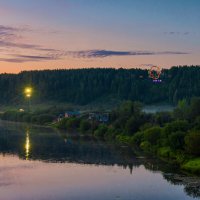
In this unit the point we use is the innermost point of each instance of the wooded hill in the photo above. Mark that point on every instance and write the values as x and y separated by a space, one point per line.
84 86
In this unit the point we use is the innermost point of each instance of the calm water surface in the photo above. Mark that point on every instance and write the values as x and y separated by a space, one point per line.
43 164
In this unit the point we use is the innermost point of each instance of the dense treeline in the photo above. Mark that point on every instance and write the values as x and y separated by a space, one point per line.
173 135
83 86
41 117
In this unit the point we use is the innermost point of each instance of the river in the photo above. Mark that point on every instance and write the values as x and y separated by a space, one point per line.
38 163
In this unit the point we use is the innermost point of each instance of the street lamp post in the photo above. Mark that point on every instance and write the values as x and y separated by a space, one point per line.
28 93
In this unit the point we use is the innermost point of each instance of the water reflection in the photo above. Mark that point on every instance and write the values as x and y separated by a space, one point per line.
27 145
36 143
191 184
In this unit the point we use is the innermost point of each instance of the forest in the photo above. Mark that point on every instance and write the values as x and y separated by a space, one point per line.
84 86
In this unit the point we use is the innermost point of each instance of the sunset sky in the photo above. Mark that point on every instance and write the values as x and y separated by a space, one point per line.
50 34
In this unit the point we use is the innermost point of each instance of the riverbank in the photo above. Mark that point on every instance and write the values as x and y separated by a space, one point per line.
185 163
173 136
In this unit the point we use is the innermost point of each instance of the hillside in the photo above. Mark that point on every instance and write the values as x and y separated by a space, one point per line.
86 86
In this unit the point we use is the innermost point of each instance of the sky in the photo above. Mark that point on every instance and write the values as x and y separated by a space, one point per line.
55 34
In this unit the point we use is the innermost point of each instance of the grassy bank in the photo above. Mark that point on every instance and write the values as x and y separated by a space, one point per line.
192 166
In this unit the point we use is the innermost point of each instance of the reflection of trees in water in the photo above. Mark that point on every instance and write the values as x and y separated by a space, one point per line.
46 145
193 189
191 184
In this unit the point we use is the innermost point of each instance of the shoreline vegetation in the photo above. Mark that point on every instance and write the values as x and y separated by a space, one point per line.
172 136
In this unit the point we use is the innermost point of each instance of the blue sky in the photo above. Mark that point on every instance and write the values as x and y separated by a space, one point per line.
40 34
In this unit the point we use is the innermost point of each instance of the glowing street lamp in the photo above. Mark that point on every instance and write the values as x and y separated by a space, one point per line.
28 93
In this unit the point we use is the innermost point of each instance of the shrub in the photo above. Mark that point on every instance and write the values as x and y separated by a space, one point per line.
152 135
73 123
101 131
138 138
84 126
164 152
176 140
145 146
132 125
179 125
146 126
192 166
194 109
10 115
192 142
110 133
45 118
62 124
123 139
162 118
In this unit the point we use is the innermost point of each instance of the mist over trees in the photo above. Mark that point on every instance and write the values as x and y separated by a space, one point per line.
83 86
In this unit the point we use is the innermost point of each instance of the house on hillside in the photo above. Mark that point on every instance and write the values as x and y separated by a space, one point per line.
100 117
69 114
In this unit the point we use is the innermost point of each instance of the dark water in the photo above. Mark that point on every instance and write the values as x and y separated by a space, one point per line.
43 164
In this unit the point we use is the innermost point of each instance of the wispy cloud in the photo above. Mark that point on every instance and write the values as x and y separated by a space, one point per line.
12 48
27 58
9 35
55 55
8 28
177 33
108 53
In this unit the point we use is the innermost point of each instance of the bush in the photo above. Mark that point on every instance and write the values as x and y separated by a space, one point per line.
176 140
162 118
145 146
132 125
101 131
192 142
138 138
10 115
179 125
192 166
61 124
194 109
146 126
123 139
110 134
85 126
197 123
45 118
152 135
72 123
164 152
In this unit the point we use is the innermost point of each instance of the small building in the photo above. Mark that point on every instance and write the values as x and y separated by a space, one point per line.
100 117
69 114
